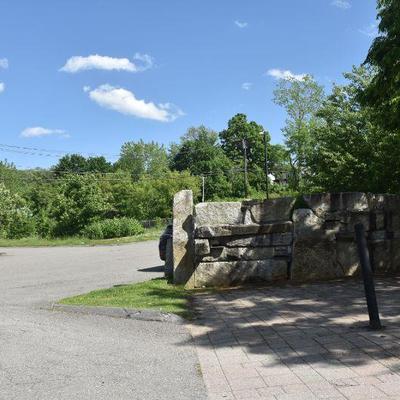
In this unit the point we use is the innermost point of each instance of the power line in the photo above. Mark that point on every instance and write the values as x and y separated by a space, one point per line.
47 152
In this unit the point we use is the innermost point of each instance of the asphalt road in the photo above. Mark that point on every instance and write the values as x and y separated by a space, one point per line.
48 355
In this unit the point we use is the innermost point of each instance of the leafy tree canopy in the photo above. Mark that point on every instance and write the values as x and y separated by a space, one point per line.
141 158
383 94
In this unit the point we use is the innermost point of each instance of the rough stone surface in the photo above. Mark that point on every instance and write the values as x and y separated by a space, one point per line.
306 222
202 247
219 213
228 273
325 202
273 239
347 257
240 253
267 211
241 230
314 260
317 242
183 236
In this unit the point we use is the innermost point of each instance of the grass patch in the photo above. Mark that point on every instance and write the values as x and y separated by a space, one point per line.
149 234
156 294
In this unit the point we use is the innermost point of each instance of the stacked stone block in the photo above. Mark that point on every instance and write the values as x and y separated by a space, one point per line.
230 243
242 242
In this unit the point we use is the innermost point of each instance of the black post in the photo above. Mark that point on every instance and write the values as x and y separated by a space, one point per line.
266 164
369 286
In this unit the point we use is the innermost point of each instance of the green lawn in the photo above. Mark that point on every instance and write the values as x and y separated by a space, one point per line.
155 294
149 234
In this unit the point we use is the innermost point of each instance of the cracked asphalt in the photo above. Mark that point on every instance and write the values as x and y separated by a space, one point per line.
51 355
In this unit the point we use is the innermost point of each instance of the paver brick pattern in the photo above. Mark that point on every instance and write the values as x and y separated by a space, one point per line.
299 342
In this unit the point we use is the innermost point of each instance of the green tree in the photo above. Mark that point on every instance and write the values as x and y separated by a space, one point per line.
77 164
150 197
239 130
200 153
383 93
301 100
70 163
78 202
140 158
351 153
15 217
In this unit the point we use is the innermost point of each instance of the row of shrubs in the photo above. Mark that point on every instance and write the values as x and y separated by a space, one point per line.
113 228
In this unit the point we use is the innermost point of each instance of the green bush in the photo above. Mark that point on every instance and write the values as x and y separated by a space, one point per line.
93 231
130 227
16 218
23 225
112 228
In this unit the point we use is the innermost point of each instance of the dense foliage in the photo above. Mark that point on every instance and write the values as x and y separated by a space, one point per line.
383 93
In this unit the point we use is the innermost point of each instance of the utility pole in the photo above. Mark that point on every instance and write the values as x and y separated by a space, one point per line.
266 163
246 188
203 179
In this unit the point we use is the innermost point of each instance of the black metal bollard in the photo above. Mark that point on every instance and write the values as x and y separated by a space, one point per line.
367 274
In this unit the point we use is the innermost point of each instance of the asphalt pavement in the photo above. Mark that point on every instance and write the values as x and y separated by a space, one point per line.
50 355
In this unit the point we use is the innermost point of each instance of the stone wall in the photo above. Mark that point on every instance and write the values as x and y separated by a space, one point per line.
274 240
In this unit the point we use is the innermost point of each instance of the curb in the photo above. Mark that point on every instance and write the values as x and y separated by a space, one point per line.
117 312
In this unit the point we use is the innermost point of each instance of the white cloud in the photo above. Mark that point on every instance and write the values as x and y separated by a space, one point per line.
4 63
371 30
125 102
343 4
139 63
240 24
2 87
247 85
285 74
39 131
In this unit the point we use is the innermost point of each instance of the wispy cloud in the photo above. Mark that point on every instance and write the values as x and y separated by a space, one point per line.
343 4
140 62
247 85
125 102
371 30
4 63
241 24
285 74
2 87
39 131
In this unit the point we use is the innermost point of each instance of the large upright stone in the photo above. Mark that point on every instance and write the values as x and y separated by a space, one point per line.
229 213
325 203
183 240
267 211
306 223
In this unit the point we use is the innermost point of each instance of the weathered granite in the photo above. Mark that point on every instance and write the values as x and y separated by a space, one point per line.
219 213
183 236
314 260
242 230
273 239
324 202
306 222
239 253
347 257
268 240
225 274
202 247
267 211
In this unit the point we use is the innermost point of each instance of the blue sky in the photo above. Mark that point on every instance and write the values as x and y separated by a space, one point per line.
86 76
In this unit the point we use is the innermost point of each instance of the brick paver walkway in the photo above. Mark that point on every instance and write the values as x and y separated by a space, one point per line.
299 342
